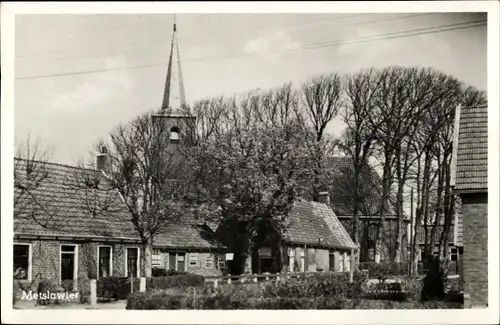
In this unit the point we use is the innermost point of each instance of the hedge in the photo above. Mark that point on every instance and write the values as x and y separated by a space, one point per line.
174 281
384 270
321 291
158 272
157 300
114 288
107 288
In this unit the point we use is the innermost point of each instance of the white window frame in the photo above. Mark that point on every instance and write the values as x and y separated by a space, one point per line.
138 275
30 266
110 259
193 257
209 258
75 267
156 250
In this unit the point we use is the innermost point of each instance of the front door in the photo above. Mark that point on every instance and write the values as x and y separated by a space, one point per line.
132 259
67 266
68 262
181 262
172 260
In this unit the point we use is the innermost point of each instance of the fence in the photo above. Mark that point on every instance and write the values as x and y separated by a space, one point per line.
376 270
255 278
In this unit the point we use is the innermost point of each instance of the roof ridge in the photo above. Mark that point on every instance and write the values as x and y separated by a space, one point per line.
58 164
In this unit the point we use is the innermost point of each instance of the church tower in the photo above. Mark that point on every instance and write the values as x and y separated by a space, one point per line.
172 116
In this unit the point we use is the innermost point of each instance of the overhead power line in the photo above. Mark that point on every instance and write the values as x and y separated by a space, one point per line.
97 55
373 38
162 41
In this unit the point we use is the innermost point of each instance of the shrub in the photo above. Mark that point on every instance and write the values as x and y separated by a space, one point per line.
325 285
413 289
45 290
165 282
158 272
112 287
388 304
164 300
84 290
68 285
434 281
384 270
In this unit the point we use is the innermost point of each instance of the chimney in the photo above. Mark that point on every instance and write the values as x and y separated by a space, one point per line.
324 197
103 161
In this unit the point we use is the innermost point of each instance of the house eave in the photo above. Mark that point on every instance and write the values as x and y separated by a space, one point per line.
471 191
315 245
75 238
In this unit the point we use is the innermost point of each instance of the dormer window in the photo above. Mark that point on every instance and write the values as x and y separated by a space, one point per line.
174 134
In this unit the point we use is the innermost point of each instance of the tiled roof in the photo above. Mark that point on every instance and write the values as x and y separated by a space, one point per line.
309 221
472 151
188 234
53 199
341 195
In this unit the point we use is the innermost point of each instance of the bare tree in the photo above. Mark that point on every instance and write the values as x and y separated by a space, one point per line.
31 174
359 135
321 100
145 167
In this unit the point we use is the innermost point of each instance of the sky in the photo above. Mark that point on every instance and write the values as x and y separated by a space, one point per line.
68 108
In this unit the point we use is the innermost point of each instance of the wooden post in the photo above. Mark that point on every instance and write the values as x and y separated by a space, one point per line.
255 279
412 252
229 279
242 278
142 286
351 269
215 283
467 303
93 293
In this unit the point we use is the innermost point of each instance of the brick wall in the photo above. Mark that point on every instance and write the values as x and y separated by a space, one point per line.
45 259
200 266
475 237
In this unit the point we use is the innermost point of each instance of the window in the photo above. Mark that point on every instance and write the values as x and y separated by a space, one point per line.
156 258
22 262
174 134
331 261
291 259
221 262
341 262
454 254
132 258
347 261
208 262
193 259
105 261
69 263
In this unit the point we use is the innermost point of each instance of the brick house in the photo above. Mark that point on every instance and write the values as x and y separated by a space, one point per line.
314 241
191 246
69 224
471 184
341 168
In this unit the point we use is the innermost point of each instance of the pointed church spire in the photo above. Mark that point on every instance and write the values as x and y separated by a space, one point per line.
169 94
